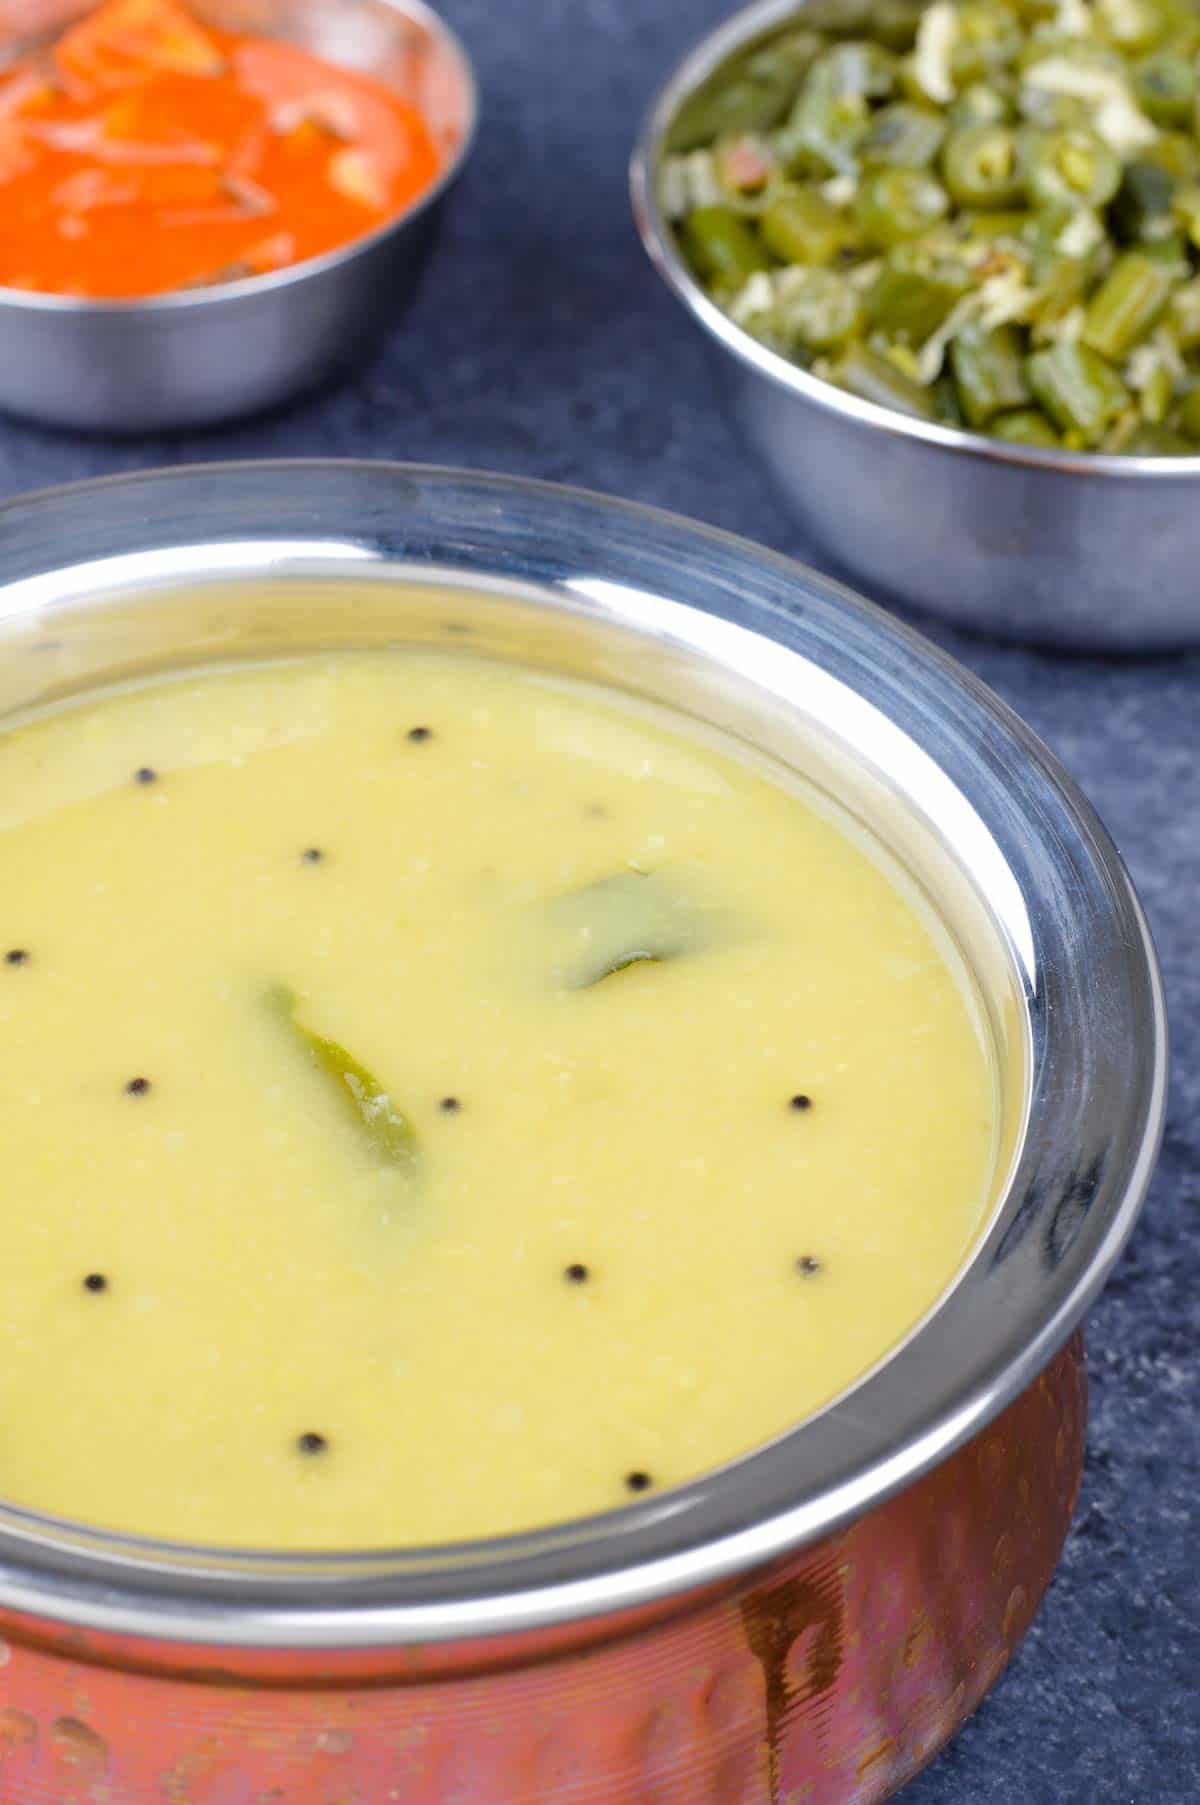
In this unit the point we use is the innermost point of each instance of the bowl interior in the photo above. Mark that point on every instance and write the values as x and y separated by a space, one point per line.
107 581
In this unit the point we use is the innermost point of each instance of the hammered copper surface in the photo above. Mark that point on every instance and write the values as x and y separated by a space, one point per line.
831 1678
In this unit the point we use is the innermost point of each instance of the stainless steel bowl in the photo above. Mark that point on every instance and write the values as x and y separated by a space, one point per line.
210 354
1064 548
812 1620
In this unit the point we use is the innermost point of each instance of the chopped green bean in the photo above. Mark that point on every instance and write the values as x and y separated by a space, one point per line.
981 104
1010 223
1025 427
981 166
722 245
1155 393
1154 442
784 55
801 226
1165 84
1131 25
822 136
744 107
1080 391
756 98
895 204
988 38
859 69
989 372
903 134
1126 305
1061 284
832 113
820 309
1072 167
913 293
873 378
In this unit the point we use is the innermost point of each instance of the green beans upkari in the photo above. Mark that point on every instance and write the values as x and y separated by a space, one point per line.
983 212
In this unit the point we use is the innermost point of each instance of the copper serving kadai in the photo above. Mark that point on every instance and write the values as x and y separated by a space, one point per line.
807 1625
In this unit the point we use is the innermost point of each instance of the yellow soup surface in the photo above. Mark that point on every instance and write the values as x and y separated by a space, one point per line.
438 1099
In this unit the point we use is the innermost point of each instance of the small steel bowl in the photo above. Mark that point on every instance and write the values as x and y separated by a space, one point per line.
1063 548
202 355
811 1621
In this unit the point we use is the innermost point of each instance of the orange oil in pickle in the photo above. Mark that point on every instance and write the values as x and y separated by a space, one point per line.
145 153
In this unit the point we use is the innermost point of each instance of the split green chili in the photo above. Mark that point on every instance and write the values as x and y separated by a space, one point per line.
387 1129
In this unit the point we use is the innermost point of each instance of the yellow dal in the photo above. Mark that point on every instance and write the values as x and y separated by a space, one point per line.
269 1275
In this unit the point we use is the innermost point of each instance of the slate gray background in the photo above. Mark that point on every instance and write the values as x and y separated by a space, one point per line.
541 344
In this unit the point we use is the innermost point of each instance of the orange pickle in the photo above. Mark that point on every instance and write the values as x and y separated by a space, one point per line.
145 153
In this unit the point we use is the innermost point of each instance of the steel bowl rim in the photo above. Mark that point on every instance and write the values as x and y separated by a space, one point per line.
126 1585
658 241
142 307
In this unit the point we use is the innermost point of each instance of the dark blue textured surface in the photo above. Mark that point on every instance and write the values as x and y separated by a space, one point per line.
541 344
